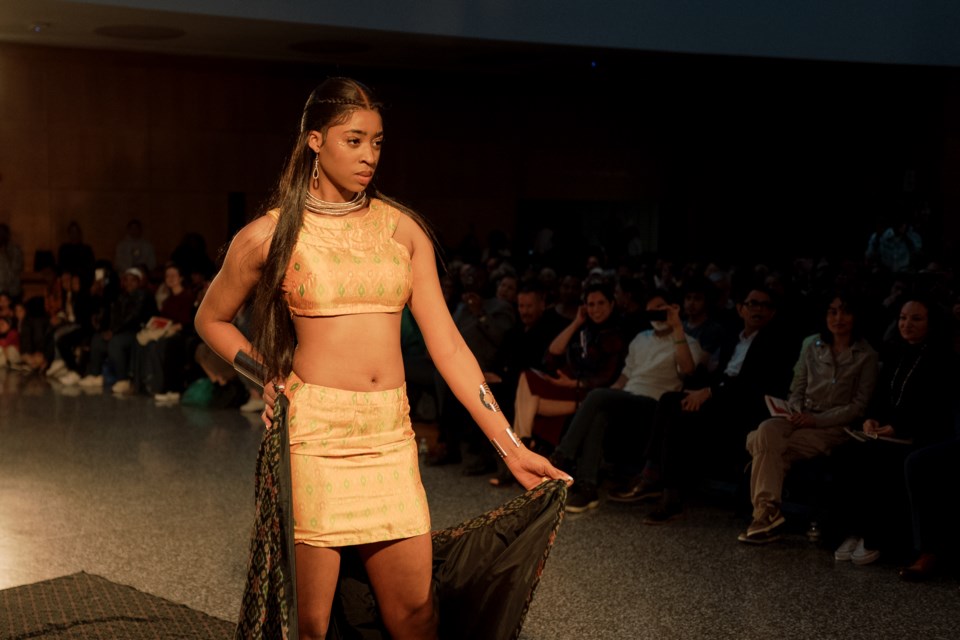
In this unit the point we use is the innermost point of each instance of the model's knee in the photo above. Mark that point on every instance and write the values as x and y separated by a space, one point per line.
312 625
411 620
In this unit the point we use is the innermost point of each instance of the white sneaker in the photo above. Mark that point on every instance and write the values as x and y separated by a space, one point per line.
845 550
91 381
253 405
121 386
69 378
861 555
56 367
170 396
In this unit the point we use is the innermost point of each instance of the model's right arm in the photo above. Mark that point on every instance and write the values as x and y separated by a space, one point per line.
231 287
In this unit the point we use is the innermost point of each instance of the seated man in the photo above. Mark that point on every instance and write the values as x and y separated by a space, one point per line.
657 361
753 362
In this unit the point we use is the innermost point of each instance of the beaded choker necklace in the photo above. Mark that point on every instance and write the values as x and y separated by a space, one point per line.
316 205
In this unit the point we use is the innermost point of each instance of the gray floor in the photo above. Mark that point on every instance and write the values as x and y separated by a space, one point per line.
160 498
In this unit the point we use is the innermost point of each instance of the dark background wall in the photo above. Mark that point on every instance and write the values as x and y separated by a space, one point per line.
709 155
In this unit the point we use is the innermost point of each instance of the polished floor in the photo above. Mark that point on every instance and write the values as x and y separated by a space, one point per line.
161 497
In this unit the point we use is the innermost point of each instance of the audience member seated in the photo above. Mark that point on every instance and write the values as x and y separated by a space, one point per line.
699 300
587 354
33 323
69 312
523 347
700 431
483 321
913 405
9 343
657 361
569 301
932 477
630 293
833 382
127 314
160 352
421 373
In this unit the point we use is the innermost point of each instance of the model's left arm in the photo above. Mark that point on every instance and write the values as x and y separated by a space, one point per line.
457 364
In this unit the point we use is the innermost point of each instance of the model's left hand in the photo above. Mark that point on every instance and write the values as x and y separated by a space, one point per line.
802 420
530 469
269 399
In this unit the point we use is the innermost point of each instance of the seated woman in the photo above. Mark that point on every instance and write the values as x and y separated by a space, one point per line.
933 475
158 360
913 407
588 354
834 380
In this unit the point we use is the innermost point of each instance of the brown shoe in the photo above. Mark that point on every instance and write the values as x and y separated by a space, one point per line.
643 490
924 568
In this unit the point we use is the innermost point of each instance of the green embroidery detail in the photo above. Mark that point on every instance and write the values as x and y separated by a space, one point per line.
346 483
396 260
310 489
357 260
336 259
329 487
301 290
313 522
361 290
380 477
380 290
377 259
296 266
341 290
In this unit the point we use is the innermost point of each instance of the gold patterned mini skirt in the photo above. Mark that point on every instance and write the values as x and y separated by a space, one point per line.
354 466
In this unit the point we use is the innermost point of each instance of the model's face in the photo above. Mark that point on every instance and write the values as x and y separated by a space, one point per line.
914 322
349 154
599 306
530 306
839 319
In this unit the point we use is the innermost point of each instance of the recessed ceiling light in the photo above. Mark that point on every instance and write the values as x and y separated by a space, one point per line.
139 32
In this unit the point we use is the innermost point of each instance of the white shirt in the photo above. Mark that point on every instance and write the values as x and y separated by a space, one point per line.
651 365
739 354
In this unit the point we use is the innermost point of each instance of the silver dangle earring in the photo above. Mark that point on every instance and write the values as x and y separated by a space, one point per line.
316 171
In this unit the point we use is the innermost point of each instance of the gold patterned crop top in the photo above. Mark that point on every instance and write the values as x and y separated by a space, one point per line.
342 266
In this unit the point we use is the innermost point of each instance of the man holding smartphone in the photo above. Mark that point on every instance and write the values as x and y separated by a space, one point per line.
658 360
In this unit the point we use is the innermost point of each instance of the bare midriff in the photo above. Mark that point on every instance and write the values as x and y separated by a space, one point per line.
357 352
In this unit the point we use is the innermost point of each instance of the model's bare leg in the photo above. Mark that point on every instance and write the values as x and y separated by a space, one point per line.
317 570
401 574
